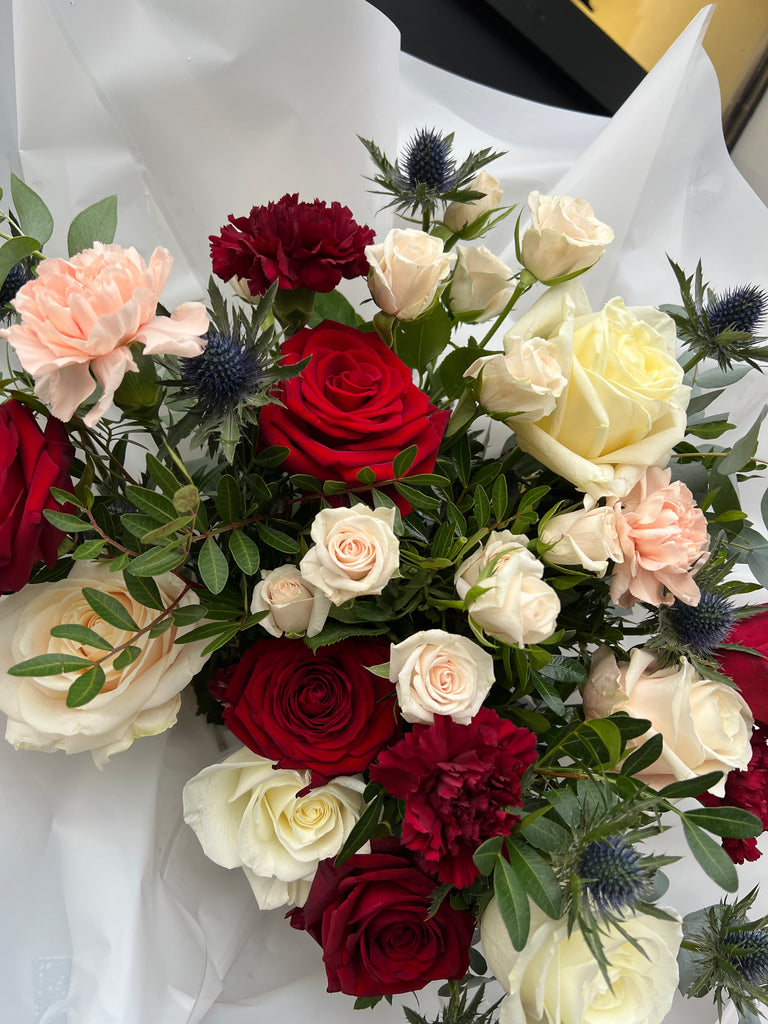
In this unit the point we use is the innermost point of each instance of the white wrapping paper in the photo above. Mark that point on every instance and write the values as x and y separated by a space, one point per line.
191 110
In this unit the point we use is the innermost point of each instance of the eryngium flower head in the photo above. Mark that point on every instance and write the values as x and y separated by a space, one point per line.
703 627
738 309
224 375
749 954
427 160
613 876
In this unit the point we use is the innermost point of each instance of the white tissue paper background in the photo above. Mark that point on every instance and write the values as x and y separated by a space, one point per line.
191 110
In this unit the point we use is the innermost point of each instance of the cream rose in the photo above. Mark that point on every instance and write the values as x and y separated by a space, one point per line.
407 269
294 604
140 700
624 407
524 383
555 979
586 537
481 284
706 725
439 673
356 552
248 814
459 215
516 606
565 237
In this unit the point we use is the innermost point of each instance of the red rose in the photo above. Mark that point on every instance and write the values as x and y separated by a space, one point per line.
749 790
370 917
323 711
355 405
748 671
300 245
458 783
32 461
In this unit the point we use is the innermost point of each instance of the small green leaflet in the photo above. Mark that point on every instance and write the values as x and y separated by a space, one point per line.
110 610
86 687
213 566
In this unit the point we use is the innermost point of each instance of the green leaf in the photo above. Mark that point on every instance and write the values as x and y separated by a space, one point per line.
152 503
482 508
334 487
48 665
549 694
711 856
245 552
690 787
277 539
229 500
610 737
162 476
89 549
743 450
224 637
167 530
126 657
186 500
566 805
96 223
137 524
419 342
160 627
86 687
334 306
644 756
363 829
110 610
144 590
726 821
513 904
334 632
81 635
204 632
187 614
487 853
418 499
500 497
537 877
404 460
14 251
156 561
64 521
212 566
33 215
366 475
546 835
64 497
273 456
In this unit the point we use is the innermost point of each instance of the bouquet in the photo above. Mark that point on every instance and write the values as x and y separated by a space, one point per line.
459 579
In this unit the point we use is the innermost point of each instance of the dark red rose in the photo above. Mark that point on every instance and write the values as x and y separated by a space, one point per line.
32 461
355 405
749 790
369 915
458 783
320 710
299 245
748 671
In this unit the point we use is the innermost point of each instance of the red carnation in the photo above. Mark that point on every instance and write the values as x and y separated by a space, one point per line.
370 917
749 790
749 671
320 710
32 461
458 783
299 245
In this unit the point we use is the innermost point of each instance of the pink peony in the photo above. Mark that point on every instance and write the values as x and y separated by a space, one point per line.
663 537
80 317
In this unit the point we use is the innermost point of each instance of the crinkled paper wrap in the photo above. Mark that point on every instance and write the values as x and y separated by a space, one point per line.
191 110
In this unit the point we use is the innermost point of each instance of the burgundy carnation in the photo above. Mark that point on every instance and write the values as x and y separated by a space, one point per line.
32 461
299 245
458 783
749 790
355 405
370 917
749 671
320 710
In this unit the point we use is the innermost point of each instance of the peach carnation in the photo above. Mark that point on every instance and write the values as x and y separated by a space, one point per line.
663 537
79 318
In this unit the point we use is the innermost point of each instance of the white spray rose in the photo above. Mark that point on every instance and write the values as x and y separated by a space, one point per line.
248 814
564 237
524 383
555 979
407 269
439 673
516 606
356 552
139 700
459 215
706 725
481 282
586 537
294 604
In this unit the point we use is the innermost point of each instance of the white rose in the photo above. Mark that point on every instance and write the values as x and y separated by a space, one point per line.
294 604
624 406
524 383
439 673
481 282
140 700
458 215
588 538
406 271
248 814
565 237
356 552
516 606
555 979
706 725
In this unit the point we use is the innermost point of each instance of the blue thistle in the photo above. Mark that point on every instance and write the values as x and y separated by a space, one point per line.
750 955
703 627
613 875
427 161
17 276
225 374
738 309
